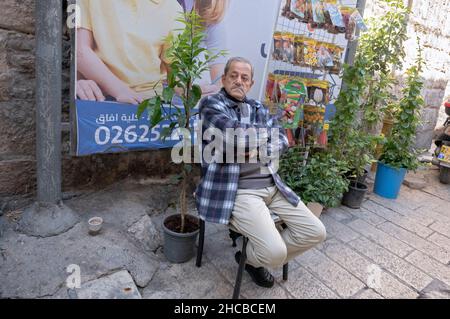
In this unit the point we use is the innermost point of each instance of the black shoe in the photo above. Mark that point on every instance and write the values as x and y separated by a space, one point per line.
261 276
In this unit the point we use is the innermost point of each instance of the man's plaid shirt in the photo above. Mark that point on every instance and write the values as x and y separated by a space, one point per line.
216 192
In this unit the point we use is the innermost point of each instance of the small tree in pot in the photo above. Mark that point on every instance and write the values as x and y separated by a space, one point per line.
188 60
398 154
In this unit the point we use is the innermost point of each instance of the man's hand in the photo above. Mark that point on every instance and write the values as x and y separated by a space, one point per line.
89 91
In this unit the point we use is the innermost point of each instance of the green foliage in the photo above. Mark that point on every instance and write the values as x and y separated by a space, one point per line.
189 59
398 151
349 143
321 180
348 103
382 48
366 88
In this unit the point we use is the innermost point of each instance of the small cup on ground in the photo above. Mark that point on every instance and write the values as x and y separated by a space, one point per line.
95 225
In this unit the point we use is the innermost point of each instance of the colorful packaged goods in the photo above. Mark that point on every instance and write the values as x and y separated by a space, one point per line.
324 56
349 21
318 92
317 13
336 52
277 47
297 9
334 22
310 53
288 47
314 114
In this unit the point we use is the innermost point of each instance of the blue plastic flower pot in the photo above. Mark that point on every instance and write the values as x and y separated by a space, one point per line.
388 180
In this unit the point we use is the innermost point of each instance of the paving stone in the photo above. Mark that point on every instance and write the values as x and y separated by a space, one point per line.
303 285
37 267
219 252
366 215
186 281
251 291
119 285
436 188
415 182
441 206
338 230
146 234
213 228
406 207
440 240
442 228
393 204
367 294
417 215
330 273
362 268
430 266
394 245
339 214
432 213
413 198
435 290
395 265
415 225
417 242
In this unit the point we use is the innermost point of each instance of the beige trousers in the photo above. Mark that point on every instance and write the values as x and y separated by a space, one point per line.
267 247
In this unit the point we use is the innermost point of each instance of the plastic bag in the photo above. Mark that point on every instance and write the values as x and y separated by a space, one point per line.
324 57
310 53
288 47
349 21
317 13
277 47
334 22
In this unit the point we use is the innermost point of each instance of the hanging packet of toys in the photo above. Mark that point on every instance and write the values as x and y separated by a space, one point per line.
318 17
298 9
334 22
349 21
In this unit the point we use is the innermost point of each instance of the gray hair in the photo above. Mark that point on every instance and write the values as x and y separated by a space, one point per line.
238 59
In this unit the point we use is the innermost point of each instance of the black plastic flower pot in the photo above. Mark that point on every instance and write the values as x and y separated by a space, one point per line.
179 247
355 195
359 179
444 174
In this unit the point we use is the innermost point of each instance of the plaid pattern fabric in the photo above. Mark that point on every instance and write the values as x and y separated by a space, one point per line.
216 192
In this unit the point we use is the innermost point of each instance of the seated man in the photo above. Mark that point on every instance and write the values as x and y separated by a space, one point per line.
243 194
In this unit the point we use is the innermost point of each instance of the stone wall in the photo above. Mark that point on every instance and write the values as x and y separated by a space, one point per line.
17 121
430 22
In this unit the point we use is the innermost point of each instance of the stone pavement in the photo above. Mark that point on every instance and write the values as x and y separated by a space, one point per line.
386 249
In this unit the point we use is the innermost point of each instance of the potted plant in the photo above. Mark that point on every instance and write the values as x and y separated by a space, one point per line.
398 154
349 143
359 155
188 60
318 180
382 47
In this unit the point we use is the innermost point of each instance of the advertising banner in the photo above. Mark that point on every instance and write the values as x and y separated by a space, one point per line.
121 60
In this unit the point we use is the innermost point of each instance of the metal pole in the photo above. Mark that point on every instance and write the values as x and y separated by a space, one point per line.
48 99
351 50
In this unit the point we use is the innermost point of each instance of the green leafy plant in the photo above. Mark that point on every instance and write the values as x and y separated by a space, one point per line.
189 59
320 180
382 48
398 151
349 142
